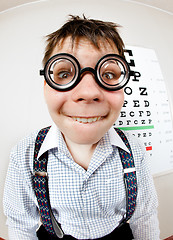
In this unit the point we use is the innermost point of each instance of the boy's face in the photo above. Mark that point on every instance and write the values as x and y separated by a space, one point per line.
85 113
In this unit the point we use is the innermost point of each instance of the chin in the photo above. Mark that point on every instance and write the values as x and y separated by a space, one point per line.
85 134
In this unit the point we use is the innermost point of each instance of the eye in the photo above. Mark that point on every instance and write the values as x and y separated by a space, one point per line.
64 74
108 76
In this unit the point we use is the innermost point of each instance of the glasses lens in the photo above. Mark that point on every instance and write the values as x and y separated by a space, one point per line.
62 71
113 72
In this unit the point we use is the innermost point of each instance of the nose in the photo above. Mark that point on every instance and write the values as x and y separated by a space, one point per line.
87 90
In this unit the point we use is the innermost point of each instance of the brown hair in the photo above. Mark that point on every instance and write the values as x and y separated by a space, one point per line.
93 30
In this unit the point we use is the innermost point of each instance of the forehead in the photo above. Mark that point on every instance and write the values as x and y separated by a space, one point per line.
84 45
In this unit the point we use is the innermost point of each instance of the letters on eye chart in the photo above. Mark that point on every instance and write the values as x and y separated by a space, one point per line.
146 111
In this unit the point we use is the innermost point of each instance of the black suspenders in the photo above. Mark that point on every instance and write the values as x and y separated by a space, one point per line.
41 183
41 187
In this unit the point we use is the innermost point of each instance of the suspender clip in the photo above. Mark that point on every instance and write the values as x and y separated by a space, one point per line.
41 174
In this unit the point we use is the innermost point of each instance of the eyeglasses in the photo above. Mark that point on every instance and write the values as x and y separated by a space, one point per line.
62 72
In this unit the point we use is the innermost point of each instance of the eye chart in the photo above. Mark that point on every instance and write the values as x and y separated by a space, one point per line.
146 111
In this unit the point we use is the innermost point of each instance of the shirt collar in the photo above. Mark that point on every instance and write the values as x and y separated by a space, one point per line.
116 140
51 140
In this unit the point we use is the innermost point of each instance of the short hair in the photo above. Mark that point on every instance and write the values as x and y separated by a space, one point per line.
92 30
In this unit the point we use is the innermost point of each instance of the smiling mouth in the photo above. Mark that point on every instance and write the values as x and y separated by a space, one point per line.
86 120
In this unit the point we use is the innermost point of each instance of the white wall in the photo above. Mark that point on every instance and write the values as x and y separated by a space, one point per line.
21 49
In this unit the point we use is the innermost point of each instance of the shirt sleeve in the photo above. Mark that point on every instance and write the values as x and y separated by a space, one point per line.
144 222
20 204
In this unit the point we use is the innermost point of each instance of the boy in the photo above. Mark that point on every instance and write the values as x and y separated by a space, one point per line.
84 71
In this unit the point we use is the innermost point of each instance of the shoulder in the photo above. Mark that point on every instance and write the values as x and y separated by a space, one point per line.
135 143
137 147
22 153
25 143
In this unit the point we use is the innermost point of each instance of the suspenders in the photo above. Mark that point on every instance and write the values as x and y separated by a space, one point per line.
41 187
41 183
130 179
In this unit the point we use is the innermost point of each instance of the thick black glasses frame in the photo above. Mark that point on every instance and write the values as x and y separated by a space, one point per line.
66 87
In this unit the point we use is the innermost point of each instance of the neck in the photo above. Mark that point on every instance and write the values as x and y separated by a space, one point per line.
81 153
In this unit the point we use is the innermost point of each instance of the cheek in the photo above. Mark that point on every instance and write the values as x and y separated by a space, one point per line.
116 100
53 98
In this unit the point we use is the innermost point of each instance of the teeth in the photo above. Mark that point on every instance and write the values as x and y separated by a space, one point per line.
86 120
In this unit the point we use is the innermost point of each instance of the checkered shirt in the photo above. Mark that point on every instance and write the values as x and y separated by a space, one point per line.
88 204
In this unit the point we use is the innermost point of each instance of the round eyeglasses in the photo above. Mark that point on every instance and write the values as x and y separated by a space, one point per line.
62 72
